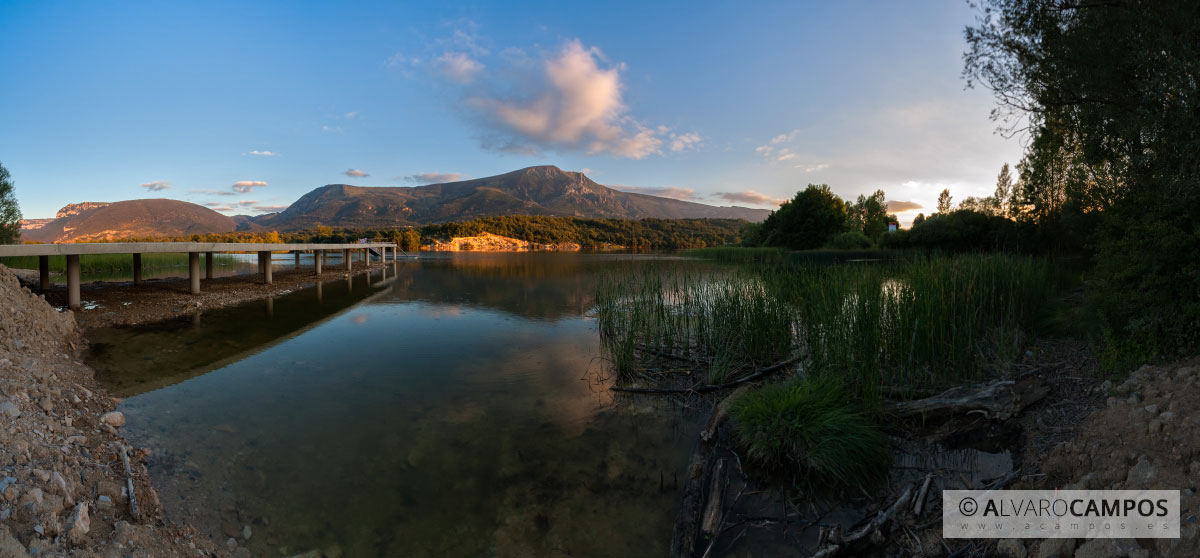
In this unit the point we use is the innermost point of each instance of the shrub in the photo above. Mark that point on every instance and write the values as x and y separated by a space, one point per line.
852 240
809 425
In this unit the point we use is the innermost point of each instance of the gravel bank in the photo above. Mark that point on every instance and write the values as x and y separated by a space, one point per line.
63 485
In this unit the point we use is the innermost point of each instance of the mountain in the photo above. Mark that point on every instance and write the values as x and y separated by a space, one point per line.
106 221
544 190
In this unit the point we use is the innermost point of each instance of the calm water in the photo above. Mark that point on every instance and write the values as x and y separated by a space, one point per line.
449 407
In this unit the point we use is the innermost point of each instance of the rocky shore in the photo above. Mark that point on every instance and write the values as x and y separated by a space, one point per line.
64 487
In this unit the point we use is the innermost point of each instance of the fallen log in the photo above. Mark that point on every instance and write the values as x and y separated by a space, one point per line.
834 542
713 509
997 400
712 387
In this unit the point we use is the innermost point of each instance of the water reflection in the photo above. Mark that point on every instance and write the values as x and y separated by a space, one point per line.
446 411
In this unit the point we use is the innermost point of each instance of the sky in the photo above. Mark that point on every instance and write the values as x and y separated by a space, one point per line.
246 106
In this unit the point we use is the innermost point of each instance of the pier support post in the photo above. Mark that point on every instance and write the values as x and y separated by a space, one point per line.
208 265
194 271
73 282
266 256
137 269
346 255
44 272
318 255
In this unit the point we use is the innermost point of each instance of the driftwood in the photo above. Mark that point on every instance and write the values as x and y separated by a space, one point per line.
133 507
997 400
691 507
713 509
833 542
705 388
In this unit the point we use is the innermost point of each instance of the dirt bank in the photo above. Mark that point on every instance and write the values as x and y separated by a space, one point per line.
63 487
111 303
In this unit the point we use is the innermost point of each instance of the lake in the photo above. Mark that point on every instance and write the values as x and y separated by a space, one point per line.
455 405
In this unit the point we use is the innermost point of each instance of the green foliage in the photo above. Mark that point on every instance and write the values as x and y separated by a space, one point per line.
869 215
10 212
807 221
1113 143
963 230
657 234
811 426
852 240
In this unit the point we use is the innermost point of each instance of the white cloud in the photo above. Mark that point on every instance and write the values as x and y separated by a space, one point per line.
903 206
332 129
270 208
813 168
245 186
356 173
351 115
572 104
157 185
434 177
673 192
458 67
684 142
263 153
748 197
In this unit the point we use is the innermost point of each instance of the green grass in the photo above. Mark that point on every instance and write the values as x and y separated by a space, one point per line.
106 263
921 322
812 430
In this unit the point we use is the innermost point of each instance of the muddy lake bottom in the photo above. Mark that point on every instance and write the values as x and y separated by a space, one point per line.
457 407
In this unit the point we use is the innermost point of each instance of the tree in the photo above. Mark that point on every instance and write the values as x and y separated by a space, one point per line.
869 215
945 203
1004 191
920 218
10 212
1108 93
410 240
807 221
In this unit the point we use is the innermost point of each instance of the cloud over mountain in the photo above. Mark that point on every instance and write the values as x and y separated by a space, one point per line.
245 186
157 185
748 196
434 177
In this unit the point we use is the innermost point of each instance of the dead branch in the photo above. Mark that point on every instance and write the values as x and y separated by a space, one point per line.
997 400
712 387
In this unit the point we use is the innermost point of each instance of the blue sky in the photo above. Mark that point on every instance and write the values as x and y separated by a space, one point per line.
247 106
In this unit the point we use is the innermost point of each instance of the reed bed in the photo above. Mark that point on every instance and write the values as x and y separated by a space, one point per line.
107 263
911 324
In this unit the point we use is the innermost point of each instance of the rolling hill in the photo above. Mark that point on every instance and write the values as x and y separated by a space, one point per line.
132 218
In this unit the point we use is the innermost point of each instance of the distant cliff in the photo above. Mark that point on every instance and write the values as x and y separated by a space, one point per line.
92 221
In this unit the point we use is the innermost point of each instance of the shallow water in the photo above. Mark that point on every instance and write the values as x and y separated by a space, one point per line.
455 407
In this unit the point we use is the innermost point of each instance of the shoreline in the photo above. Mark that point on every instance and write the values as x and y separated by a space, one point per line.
64 488
108 304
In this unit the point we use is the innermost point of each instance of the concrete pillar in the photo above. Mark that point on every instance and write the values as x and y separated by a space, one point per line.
320 293
267 267
194 271
346 255
318 255
44 272
137 269
73 281
208 265
297 258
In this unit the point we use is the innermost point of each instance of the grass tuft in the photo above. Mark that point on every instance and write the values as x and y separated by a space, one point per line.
811 427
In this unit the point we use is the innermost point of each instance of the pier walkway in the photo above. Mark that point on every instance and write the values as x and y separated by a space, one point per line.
193 250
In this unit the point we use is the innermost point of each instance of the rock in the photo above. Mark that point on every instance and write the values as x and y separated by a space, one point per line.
1141 475
242 552
1152 409
104 503
1155 427
1011 548
46 404
309 554
59 484
10 547
114 419
1134 399
1056 548
10 409
1194 469
78 524
1166 417
246 532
